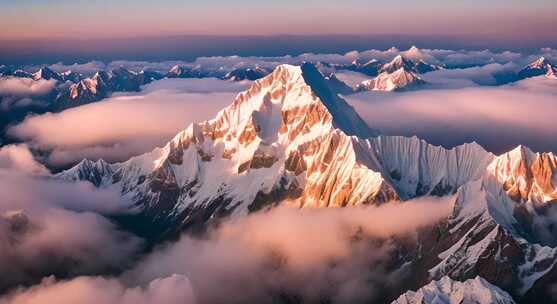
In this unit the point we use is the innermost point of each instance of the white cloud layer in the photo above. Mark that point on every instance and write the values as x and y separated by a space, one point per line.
127 124
313 254
499 118
339 254
25 87
22 92
53 227
174 289
19 157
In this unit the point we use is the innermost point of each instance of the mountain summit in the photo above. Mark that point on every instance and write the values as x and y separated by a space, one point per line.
539 67
399 80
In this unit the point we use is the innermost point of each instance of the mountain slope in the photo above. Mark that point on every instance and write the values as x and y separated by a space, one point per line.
541 66
447 291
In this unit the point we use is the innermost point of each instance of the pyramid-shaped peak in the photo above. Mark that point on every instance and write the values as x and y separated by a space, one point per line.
397 63
289 98
541 60
46 73
399 59
540 63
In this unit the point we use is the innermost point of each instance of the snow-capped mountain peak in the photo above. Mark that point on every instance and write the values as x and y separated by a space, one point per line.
92 171
246 74
401 79
539 67
46 74
397 63
448 291
540 62
527 176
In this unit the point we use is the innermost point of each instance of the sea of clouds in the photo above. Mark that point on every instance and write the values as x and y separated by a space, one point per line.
60 243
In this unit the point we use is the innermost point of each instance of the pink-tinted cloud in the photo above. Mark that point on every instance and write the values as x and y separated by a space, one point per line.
19 157
499 118
174 289
313 253
25 87
52 227
127 124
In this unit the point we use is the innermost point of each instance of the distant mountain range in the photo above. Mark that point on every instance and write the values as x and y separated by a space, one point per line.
291 137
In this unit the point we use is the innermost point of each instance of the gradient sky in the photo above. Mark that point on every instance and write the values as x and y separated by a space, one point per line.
40 19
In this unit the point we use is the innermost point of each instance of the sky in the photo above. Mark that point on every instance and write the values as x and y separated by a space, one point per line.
38 31
38 19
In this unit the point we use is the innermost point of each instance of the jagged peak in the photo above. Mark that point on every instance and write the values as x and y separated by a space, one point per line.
400 59
521 153
448 291
277 109
540 63
46 73
92 163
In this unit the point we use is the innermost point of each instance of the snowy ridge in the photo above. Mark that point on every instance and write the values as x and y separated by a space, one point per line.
88 170
447 291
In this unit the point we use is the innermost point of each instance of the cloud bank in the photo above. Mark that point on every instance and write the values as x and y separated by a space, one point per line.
498 118
25 87
23 92
98 290
339 254
19 157
52 227
126 124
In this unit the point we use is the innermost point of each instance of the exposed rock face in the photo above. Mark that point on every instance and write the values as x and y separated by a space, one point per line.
447 291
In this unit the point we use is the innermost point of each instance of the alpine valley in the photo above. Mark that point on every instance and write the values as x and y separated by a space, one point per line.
292 140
